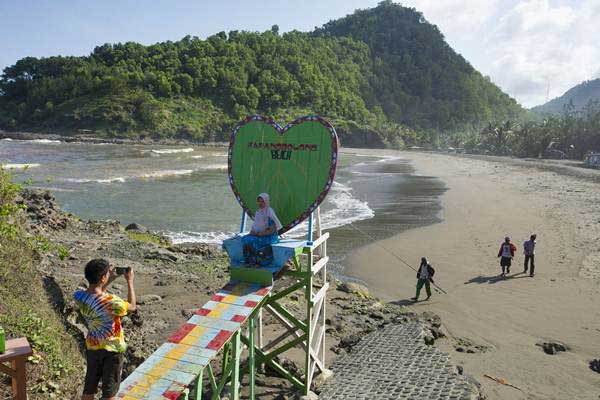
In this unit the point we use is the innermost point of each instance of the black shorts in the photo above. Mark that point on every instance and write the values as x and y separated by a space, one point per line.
505 261
106 366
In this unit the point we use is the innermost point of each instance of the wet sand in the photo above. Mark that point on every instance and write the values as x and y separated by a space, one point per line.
486 200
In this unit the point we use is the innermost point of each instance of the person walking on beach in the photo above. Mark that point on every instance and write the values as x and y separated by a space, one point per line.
506 252
529 251
424 277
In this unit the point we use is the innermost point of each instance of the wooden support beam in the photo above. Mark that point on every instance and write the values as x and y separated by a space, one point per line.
320 241
319 264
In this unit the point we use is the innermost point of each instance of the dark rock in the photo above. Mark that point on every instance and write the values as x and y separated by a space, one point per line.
460 349
350 340
552 348
355 288
437 332
188 313
428 338
376 315
136 227
595 365
160 254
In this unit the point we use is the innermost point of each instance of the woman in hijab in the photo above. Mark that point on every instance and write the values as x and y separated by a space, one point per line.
257 244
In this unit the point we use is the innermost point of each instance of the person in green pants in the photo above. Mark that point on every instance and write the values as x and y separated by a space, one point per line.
424 277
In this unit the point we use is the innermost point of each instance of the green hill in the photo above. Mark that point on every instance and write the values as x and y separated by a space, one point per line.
576 98
385 76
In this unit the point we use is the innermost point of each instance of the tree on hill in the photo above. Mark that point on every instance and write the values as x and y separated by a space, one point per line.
385 74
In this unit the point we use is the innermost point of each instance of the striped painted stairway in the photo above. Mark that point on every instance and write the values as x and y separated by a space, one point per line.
180 362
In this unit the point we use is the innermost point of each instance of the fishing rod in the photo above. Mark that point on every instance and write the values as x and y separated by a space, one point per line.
393 254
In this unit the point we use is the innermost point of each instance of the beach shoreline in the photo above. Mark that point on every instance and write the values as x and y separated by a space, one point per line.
501 320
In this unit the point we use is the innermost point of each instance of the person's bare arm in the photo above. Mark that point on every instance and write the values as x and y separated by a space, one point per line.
130 290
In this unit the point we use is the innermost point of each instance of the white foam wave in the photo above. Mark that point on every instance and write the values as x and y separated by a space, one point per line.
197 156
172 151
199 237
43 141
20 166
388 158
117 179
165 173
342 209
215 167
7 140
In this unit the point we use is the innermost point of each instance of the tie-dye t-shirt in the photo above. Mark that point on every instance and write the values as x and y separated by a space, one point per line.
102 313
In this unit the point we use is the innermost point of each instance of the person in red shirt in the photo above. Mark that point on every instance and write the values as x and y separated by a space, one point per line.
506 254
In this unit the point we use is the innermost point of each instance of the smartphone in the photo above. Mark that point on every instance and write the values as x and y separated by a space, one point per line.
122 270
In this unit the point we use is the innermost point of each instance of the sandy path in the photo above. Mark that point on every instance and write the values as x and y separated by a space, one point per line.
485 201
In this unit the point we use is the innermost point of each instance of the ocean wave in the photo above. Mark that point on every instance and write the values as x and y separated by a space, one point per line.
171 151
43 141
199 237
197 156
215 167
7 140
165 173
345 209
20 166
388 158
117 179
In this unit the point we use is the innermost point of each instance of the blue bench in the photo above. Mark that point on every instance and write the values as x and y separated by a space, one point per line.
282 252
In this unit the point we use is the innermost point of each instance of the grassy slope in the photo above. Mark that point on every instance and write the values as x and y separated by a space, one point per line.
26 309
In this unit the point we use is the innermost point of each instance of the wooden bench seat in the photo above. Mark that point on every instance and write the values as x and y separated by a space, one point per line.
175 365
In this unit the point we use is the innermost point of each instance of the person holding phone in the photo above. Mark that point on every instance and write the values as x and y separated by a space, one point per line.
105 341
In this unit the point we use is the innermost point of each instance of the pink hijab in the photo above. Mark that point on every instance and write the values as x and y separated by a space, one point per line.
262 216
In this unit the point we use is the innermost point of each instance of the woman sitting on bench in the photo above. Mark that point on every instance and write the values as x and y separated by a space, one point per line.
257 244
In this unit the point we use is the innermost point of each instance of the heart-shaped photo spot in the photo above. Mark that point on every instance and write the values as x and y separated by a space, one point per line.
295 165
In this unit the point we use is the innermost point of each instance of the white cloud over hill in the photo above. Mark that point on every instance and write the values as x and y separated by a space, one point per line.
530 48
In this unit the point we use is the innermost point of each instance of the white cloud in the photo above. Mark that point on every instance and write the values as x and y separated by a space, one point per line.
526 46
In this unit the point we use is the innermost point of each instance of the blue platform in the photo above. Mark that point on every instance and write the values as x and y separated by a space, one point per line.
282 252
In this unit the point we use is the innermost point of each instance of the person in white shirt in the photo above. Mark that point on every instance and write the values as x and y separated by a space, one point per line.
529 251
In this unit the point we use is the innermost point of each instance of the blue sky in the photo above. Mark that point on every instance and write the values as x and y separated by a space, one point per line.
533 49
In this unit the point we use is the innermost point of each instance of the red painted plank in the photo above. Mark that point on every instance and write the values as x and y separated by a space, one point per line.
238 318
181 333
217 298
219 340
251 303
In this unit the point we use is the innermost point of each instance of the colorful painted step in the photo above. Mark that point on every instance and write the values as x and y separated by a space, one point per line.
175 365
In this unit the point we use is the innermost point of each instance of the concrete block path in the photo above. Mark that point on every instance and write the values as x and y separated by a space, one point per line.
395 363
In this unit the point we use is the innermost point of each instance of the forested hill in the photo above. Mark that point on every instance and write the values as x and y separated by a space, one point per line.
417 78
576 98
385 76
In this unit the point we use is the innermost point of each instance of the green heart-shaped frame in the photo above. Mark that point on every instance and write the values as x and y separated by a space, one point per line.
295 165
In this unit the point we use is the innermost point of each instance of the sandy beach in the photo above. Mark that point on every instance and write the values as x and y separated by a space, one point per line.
503 319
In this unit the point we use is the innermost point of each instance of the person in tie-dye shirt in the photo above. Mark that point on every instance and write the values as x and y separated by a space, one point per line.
105 341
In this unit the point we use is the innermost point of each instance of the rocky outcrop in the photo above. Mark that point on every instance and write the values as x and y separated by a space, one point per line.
42 210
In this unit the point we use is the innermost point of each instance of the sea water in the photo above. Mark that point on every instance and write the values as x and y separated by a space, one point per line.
183 191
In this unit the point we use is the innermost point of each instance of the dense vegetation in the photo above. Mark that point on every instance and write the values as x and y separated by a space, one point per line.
25 308
416 77
384 76
578 97
572 134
